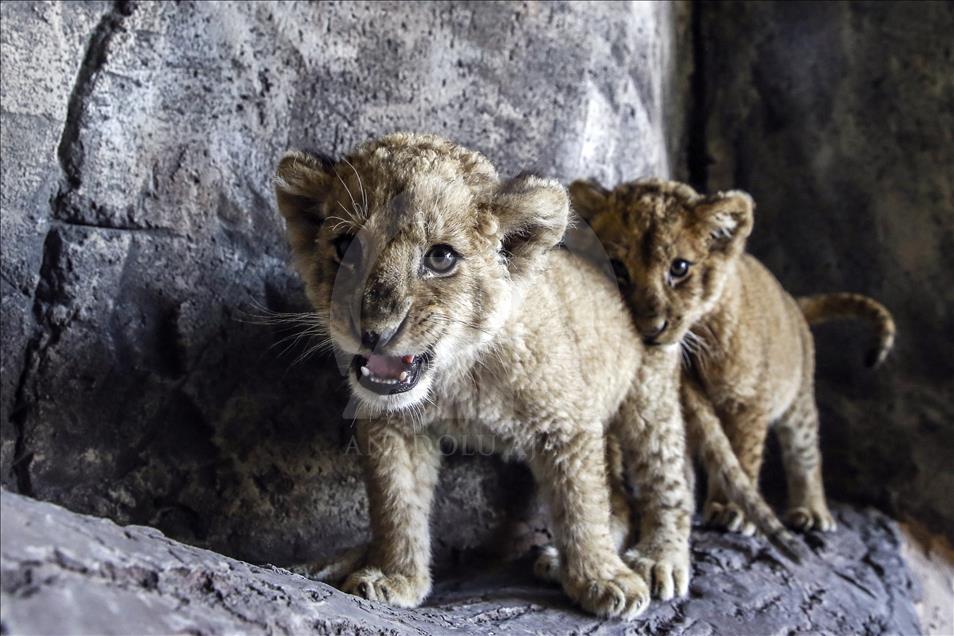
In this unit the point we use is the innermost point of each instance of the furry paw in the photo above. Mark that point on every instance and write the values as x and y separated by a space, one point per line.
547 566
806 518
727 516
666 569
619 594
394 589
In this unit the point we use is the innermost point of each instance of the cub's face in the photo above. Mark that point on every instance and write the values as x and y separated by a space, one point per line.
411 251
671 249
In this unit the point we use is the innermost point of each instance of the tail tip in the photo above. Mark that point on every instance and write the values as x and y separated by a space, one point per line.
875 357
789 546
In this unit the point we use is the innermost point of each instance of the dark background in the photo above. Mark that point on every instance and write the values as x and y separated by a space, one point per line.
140 237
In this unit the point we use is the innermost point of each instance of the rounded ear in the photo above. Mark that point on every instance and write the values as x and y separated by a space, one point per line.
301 182
728 216
532 213
588 198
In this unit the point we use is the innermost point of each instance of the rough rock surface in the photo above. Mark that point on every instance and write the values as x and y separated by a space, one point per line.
140 237
839 119
64 572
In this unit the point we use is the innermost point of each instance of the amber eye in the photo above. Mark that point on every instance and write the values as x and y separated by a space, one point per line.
620 271
347 249
441 259
679 268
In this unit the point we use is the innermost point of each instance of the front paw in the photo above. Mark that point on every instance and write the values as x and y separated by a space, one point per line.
666 569
727 516
395 589
620 593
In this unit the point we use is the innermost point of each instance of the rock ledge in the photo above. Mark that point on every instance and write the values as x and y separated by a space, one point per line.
68 573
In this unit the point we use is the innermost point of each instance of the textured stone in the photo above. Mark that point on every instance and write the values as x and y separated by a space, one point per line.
138 259
838 118
35 93
63 572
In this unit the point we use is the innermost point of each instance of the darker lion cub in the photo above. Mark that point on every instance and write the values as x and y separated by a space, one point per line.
679 257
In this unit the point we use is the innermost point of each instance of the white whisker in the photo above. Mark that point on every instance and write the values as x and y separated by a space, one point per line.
364 196
354 205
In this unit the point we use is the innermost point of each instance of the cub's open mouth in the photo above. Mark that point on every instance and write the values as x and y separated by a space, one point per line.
388 375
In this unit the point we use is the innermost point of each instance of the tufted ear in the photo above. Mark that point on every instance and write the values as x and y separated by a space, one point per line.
588 198
728 216
301 183
532 213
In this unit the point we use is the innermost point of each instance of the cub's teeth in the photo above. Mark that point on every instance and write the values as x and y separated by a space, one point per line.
365 371
403 376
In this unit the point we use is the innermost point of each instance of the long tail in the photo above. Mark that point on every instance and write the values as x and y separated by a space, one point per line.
841 306
337 569
722 465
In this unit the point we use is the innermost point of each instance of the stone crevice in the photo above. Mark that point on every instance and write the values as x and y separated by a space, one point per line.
22 455
70 149
110 227
69 153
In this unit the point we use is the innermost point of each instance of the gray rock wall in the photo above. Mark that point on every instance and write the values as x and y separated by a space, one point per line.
839 119
140 236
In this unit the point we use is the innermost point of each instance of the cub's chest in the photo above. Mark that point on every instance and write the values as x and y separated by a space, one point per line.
480 401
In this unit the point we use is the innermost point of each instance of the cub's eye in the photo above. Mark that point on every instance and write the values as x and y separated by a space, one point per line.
620 271
441 259
679 268
347 249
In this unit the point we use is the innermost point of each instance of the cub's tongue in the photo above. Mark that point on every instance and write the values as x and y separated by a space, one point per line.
389 367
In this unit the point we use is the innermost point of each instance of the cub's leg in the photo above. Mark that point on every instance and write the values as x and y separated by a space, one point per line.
652 435
798 437
746 429
547 565
621 512
571 473
400 474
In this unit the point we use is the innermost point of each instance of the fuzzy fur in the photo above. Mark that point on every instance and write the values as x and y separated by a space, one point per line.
749 352
517 362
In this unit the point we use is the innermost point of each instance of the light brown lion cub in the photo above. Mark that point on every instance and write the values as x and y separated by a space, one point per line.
445 297
679 257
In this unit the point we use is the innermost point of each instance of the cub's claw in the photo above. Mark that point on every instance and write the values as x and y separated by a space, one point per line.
395 589
666 569
729 517
623 594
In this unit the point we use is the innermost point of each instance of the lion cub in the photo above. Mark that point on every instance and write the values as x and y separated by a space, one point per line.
679 258
445 296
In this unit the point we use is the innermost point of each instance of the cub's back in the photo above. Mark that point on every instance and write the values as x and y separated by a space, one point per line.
773 319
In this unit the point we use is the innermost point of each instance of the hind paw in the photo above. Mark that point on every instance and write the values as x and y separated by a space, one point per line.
729 517
547 566
805 519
